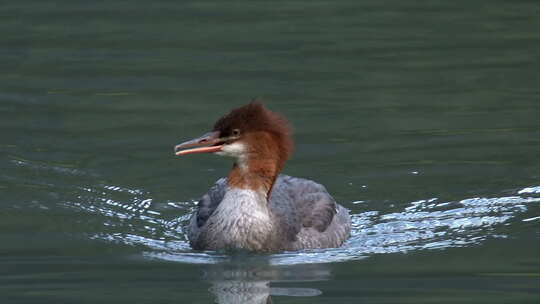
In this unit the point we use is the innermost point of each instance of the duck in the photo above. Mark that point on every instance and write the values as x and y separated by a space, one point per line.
256 208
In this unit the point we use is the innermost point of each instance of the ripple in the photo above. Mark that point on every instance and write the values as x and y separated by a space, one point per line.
65 169
529 190
134 217
422 225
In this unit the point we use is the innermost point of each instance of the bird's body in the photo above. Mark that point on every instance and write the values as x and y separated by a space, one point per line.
299 215
255 208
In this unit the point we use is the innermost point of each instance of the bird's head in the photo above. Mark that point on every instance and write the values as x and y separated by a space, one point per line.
252 134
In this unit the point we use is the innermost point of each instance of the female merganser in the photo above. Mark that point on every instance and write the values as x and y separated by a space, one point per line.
255 208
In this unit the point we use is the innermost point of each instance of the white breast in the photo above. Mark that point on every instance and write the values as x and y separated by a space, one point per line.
241 221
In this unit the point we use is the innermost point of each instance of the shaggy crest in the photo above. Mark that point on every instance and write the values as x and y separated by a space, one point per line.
255 117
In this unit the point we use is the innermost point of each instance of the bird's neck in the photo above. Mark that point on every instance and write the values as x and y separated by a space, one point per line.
255 173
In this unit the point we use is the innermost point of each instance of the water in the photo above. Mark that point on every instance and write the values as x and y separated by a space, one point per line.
420 117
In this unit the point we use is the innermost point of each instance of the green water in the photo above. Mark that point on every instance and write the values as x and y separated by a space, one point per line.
421 117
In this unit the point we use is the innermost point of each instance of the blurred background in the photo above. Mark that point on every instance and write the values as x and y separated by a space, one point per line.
419 116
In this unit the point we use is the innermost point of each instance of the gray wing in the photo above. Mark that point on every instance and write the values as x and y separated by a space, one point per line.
297 203
300 203
209 202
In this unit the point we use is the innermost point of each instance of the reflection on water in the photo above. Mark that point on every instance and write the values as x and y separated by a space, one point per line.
241 282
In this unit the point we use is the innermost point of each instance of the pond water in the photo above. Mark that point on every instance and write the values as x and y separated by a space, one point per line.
421 117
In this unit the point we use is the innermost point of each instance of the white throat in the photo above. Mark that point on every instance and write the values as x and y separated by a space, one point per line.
237 150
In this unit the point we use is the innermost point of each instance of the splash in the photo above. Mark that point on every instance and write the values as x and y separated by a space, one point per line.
422 225
133 217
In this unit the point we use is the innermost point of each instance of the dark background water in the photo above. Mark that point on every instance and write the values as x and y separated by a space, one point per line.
422 117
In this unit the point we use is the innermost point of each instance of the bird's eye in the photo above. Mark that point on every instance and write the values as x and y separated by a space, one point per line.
236 132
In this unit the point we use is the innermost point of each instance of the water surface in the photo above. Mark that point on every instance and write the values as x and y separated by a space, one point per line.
420 117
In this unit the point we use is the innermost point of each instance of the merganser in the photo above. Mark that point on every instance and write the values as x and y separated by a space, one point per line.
255 208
